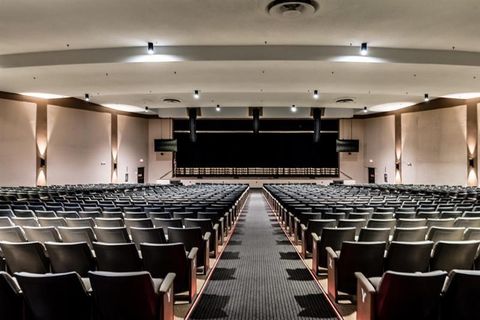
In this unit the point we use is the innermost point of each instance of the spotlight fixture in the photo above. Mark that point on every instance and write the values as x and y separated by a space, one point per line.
365 109
146 108
364 49
218 108
293 108
315 94
150 48
87 97
426 98
196 94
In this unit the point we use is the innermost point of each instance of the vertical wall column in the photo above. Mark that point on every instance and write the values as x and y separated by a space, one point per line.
472 144
114 146
398 148
41 139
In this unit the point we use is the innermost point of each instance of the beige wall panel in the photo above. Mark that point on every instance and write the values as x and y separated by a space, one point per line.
352 165
159 164
132 147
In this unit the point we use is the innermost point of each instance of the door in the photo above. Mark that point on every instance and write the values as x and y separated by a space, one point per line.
141 175
371 175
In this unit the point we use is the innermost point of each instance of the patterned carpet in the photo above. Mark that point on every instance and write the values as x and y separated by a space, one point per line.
260 275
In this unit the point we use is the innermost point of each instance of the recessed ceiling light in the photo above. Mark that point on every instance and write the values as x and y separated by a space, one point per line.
123 107
365 109
293 108
150 48
364 49
463 95
392 106
218 107
426 97
42 95
87 97
315 94
196 94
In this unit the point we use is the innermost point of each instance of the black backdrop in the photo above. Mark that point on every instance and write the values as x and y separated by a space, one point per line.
265 149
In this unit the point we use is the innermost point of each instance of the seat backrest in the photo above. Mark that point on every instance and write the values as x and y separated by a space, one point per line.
52 222
159 215
19 213
408 256
334 215
45 214
55 296
112 235
445 234
333 238
409 295
451 214
25 257
25 222
460 295
124 296
467 222
381 223
80 222
374 234
428 214
190 237
472 234
138 223
42 234
356 223
11 299
109 222
411 223
147 235
135 215
440 222
117 257
6 213
405 215
79 234
70 257
204 224
12 234
160 259
316 226
6 222
409 234
68 214
382 215
449 255
364 257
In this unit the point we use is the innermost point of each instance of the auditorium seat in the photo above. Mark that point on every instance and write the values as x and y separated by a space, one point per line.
460 296
192 237
67 214
12 234
446 223
20 213
166 223
52 222
382 215
405 215
331 237
80 222
132 295
408 256
25 257
45 214
358 224
70 257
381 223
138 223
409 234
471 234
135 215
445 234
112 235
55 296
411 223
77 234
365 257
147 235
6 222
6 213
464 222
159 215
314 226
90 214
109 222
117 257
374 234
399 296
205 225
449 255
25 222
11 300
42 234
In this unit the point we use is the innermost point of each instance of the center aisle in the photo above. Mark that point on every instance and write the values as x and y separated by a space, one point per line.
260 275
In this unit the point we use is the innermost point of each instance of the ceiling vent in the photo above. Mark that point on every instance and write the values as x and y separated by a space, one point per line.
171 101
345 100
288 9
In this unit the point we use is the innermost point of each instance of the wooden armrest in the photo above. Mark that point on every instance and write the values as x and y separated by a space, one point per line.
296 220
332 259
365 298
207 236
304 227
167 283
192 255
315 255
165 295
215 226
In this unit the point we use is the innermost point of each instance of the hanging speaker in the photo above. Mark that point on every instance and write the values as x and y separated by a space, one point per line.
317 123
192 122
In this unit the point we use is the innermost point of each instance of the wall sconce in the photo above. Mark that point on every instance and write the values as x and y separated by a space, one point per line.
43 163
115 166
397 165
471 163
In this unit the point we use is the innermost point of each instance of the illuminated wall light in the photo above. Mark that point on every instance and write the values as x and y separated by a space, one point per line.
196 94
87 97
146 109
293 108
150 48
315 94
426 98
218 108
365 109
364 49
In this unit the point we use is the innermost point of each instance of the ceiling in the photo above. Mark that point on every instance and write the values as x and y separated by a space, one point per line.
76 47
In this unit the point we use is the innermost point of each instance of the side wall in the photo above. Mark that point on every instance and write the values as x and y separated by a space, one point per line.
17 143
159 163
